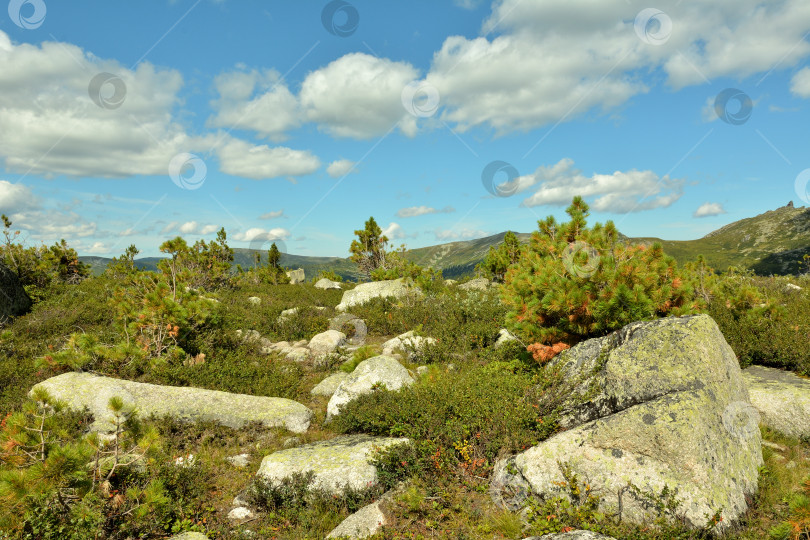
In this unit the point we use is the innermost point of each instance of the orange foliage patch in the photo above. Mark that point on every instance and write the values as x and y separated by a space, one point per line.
544 353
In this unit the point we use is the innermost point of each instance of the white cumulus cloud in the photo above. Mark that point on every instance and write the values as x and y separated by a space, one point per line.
617 192
709 209
414 211
341 167
358 96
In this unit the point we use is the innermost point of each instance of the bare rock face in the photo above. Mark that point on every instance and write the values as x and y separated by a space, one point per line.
653 405
14 300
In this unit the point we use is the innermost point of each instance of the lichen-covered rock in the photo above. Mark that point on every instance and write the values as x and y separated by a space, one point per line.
378 370
297 276
296 354
782 398
336 463
364 292
189 536
254 300
655 404
327 284
81 390
504 336
328 386
240 514
362 524
407 342
14 300
477 284
326 342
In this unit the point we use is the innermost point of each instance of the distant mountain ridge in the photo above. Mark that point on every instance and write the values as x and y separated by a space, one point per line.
771 243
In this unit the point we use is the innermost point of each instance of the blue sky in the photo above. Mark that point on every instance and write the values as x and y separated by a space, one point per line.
133 122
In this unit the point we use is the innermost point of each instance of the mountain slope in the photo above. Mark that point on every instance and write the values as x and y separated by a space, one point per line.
770 243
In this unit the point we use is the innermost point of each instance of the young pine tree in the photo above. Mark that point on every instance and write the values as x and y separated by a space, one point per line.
368 251
498 261
574 282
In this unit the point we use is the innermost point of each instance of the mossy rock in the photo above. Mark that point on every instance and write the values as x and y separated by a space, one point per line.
338 463
80 390
655 405
782 398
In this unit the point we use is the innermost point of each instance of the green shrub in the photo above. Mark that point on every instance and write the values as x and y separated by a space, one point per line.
483 411
40 267
294 504
575 282
771 328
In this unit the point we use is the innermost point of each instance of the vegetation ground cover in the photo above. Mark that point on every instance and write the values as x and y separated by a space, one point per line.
474 404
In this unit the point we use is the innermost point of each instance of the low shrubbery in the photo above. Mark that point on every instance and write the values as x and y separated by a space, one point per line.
40 267
775 330
459 420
